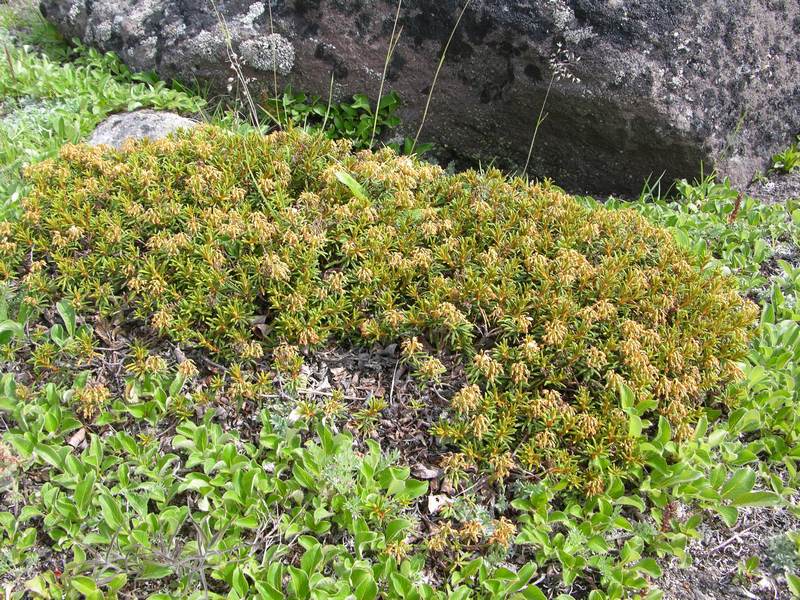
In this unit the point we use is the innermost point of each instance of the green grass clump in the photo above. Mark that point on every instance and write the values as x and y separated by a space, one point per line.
787 161
352 119
576 326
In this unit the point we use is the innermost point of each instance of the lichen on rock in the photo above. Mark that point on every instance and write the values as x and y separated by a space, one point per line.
273 52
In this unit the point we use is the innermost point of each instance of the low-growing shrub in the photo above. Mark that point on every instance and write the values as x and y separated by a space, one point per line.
578 327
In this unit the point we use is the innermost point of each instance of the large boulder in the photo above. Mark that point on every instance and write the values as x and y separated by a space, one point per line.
661 85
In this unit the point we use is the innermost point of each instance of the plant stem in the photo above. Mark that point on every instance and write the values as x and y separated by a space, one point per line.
274 60
390 51
539 121
235 65
330 100
436 75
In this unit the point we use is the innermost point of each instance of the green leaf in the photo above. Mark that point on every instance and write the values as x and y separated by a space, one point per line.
10 330
152 570
626 397
366 590
312 558
533 592
400 586
249 522
83 492
747 421
321 513
467 570
597 544
239 583
757 499
794 584
299 583
269 591
58 336
67 313
303 477
634 501
740 482
681 237
38 586
414 489
84 585
353 185
522 578
649 566
49 455
117 583
395 529
112 512
729 514
634 426
460 593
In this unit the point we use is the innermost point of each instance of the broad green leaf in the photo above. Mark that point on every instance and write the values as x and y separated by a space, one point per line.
49 455
68 315
740 482
729 514
756 499
353 185
249 522
152 570
83 492
532 592
239 583
395 529
84 585
626 397
312 558
117 582
299 583
794 584
10 330
649 566
112 512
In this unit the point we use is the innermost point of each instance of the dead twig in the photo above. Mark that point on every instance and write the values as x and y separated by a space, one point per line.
736 537
394 379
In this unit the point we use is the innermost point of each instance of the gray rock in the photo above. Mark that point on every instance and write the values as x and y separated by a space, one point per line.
776 188
153 124
663 84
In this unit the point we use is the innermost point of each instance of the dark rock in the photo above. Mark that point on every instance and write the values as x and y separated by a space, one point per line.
664 84
152 124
